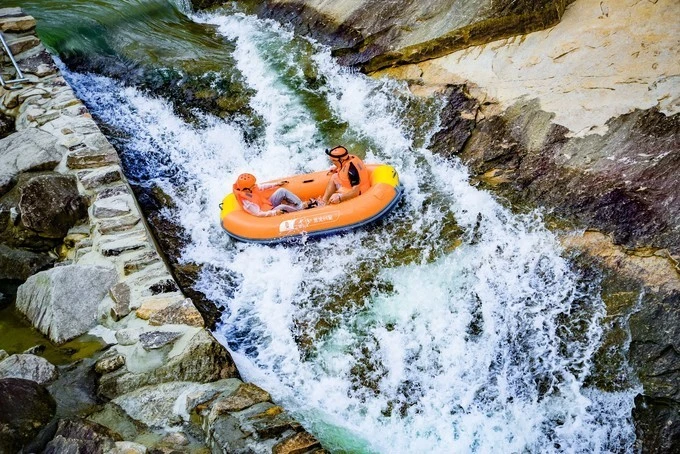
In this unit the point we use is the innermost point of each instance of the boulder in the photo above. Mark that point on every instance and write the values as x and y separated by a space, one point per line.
28 367
19 264
62 302
81 436
27 408
180 313
51 205
27 150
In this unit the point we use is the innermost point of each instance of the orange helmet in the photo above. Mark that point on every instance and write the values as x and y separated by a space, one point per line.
245 181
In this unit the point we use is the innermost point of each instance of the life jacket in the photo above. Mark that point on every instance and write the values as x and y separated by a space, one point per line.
364 177
256 195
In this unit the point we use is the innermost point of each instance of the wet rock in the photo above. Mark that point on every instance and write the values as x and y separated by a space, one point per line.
458 120
116 419
157 339
51 205
203 360
80 435
28 367
62 302
299 443
180 313
245 396
27 407
19 264
24 151
373 35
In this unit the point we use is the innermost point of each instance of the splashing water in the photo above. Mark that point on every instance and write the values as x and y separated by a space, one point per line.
453 326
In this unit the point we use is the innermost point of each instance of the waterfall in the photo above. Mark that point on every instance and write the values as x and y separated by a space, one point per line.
454 325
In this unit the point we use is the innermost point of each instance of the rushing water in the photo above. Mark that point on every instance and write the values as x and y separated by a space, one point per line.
452 326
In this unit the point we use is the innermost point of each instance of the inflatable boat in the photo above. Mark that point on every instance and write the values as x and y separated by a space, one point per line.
383 195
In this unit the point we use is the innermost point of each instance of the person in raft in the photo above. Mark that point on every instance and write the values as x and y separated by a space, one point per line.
350 177
259 199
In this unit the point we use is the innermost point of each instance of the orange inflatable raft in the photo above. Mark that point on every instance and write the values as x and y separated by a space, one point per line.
376 202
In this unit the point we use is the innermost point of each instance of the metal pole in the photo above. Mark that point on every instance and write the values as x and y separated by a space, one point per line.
20 76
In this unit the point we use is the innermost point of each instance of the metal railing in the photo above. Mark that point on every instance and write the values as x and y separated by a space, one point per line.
20 76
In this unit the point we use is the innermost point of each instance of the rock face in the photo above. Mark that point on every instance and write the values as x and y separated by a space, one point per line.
27 407
375 35
62 302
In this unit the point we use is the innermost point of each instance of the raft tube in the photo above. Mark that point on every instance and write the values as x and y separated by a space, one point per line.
383 195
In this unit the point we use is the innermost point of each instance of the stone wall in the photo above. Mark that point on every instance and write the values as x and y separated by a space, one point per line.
71 228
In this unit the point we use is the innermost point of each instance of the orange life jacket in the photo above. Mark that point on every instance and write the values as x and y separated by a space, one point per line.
364 177
256 195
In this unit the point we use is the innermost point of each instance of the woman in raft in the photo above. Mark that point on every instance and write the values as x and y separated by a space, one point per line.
255 199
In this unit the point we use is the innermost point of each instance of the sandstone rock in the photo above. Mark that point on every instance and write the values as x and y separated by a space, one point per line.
152 305
19 264
62 302
157 339
301 442
27 150
245 396
109 364
11 12
120 293
27 407
80 435
51 205
180 313
17 24
28 367
203 360
87 158
22 44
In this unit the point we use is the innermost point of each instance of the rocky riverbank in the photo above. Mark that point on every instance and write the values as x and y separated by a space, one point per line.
571 107
73 240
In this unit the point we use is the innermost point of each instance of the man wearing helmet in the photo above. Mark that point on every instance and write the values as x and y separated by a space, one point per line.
259 199
350 177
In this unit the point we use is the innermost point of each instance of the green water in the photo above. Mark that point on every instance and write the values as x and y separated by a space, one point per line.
17 335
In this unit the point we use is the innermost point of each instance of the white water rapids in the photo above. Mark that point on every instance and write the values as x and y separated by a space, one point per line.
410 337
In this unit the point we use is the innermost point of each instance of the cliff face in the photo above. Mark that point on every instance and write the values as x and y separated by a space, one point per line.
581 119
375 34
